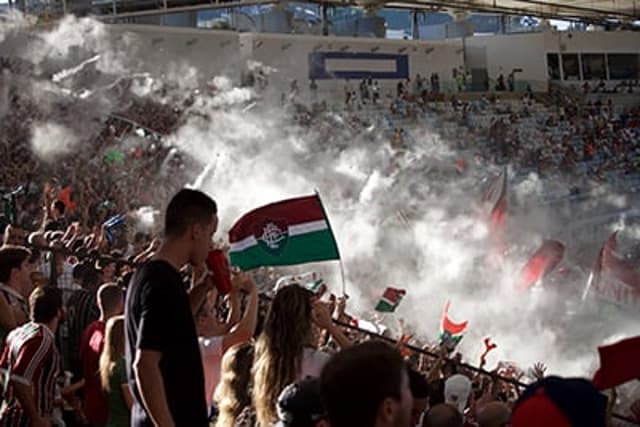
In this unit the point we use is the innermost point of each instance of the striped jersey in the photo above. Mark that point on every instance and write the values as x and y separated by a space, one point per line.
29 357
82 309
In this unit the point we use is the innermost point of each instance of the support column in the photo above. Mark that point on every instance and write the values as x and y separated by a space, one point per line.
415 29
325 19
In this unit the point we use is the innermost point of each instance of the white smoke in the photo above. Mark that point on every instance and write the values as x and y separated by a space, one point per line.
51 140
145 218
406 220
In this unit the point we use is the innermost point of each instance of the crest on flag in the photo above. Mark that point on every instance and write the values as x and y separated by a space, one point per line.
272 235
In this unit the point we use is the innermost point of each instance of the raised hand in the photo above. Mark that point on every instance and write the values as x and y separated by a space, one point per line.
321 315
539 370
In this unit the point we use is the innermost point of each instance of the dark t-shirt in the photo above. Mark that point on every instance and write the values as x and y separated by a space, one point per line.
158 317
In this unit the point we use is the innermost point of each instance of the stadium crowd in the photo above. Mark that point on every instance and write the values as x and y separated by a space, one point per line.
564 133
185 354
101 326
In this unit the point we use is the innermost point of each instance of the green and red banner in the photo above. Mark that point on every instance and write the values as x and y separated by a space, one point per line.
390 300
289 232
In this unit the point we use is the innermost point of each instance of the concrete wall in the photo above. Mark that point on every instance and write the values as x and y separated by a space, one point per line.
503 53
215 52
290 55
162 49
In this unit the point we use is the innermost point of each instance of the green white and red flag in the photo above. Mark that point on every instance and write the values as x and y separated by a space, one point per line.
289 232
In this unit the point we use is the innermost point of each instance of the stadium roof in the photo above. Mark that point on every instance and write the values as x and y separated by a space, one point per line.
597 11
626 10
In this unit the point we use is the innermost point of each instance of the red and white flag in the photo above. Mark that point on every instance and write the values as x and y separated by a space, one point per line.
614 278
494 202
541 263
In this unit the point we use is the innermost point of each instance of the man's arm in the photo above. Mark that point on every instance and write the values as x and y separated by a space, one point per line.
198 294
146 367
25 394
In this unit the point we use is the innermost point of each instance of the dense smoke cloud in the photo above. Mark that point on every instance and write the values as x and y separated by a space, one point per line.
51 140
407 219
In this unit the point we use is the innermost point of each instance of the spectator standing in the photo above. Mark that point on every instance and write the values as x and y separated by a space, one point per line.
111 304
420 393
15 286
232 395
32 362
113 375
164 366
511 81
284 351
215 339
82 309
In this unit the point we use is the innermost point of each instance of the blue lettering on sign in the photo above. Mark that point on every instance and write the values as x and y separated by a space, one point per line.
318 69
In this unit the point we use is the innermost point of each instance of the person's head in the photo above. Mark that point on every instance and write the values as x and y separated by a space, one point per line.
90 279
46 305
286 331
15 269
13 235
420 393
443 415
300 405
494 414
107 268
113 349
57 209
456 391
192 218
232 394
367 385
78 272
110 300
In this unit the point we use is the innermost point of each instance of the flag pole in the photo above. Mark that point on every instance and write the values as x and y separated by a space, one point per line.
342 274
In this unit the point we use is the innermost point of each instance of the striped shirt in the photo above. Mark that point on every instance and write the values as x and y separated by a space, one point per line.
82 309
30 357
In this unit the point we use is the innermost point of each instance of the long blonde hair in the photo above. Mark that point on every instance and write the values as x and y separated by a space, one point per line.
113 349
278 354
233 392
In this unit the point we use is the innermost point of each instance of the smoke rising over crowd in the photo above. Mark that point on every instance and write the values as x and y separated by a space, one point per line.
405 218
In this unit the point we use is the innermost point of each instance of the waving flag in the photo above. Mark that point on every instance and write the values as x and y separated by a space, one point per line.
613 278
618 364
450 331
390 300
541 263
494 201
290 232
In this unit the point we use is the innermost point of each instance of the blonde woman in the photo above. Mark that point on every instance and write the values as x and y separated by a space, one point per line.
233 394
113 375
284 352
